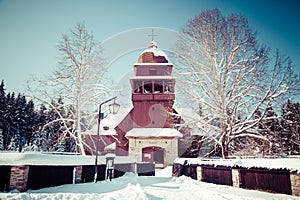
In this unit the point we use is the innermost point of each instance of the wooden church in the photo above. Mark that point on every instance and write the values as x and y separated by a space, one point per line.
148 130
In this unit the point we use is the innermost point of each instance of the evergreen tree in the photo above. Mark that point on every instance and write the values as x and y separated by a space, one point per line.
38 136
2 112
21 120
9 129
2 105
31 121
273 130
291 128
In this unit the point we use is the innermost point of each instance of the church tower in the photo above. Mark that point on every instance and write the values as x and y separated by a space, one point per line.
153 137
153 89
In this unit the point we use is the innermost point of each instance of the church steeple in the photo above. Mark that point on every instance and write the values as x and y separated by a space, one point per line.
153 88
153 54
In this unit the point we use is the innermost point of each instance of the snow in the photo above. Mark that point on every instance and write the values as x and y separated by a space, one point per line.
152 47
153 78
292 164
131 186
111 121
153 132
153 64
111 146
38 159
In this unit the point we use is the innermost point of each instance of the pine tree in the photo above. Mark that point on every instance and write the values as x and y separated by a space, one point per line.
31 121
39 136
9 130
291 128
2 105
21 118
2 112
273 130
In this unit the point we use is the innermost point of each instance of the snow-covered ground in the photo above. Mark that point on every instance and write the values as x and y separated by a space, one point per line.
131 186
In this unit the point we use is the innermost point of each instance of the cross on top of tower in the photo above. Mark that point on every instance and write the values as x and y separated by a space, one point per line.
152 35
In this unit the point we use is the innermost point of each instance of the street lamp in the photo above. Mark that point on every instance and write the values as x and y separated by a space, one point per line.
114 107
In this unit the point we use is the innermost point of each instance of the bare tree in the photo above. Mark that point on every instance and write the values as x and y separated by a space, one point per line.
227 72
78 80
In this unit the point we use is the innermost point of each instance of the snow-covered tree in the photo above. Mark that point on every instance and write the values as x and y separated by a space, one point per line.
78 80
232 76
9 129
290 136
2 105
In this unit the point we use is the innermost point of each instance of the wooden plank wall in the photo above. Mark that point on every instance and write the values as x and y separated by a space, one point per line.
266 180
218 175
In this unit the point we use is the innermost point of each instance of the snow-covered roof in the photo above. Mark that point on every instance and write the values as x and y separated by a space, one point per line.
153 77
111 121
153 132
152 47
157 53
37 158
292 164
153 64
111 146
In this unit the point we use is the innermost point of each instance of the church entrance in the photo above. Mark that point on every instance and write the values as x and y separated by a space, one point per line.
155 155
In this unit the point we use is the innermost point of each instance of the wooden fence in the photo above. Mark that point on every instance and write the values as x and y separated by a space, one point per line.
269 180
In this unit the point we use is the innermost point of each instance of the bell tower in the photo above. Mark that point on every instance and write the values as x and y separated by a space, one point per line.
153 89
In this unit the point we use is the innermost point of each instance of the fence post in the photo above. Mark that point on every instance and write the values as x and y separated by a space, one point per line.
19 178
236 178
199 173
295 183
77 173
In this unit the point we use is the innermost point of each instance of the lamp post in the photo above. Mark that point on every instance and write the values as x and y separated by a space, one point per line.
113 109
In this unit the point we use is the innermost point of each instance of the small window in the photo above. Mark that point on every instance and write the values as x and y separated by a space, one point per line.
138 88
148 87
158 87
169 87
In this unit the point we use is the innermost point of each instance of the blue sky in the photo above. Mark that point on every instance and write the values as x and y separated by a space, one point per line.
31 29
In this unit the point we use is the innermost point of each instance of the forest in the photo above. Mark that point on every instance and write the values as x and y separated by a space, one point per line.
23 127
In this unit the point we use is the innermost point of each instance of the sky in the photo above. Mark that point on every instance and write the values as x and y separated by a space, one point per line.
31 29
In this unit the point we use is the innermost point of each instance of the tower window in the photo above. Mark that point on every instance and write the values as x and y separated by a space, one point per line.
138 87
148 87
158 87
168 87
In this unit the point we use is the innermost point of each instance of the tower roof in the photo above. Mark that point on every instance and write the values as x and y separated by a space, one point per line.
153 54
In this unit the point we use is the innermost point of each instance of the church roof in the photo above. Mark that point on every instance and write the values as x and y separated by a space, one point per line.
153 54
153 132
152 77
111 121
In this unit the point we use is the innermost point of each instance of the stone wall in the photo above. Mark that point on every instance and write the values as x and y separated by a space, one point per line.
170 145
19 178
295 183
